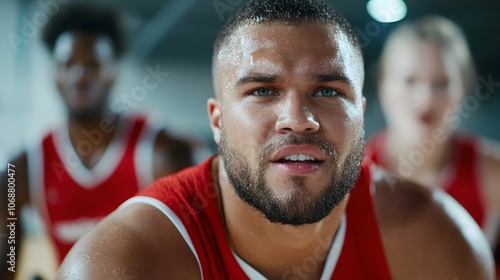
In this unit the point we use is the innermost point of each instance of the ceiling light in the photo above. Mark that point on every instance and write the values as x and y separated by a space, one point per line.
387 10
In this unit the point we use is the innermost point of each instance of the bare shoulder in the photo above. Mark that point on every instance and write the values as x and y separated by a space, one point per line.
427 234
166 141
490 155
489 166
171 154
134 242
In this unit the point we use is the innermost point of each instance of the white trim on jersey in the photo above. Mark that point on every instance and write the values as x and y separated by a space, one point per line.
331 260
90 178
144 153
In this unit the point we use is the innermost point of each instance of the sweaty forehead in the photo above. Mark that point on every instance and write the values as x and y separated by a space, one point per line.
255 41
274 48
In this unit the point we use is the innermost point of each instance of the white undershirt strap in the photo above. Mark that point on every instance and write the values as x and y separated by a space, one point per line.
144 153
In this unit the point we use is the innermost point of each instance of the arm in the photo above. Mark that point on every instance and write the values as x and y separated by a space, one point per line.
490 173
489 168
428 235
170 155
20 193
134 242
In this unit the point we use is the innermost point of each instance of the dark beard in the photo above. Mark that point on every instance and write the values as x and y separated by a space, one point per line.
296 210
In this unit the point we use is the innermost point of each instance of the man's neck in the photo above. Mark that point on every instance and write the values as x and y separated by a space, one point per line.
270 248
425 158
95 134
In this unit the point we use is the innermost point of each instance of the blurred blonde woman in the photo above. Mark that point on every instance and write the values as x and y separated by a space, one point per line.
427 86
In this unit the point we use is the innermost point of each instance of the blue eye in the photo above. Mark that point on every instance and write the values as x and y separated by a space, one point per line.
326 92
263 92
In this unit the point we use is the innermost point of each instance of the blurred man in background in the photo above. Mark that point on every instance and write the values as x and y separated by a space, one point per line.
427 85
81 171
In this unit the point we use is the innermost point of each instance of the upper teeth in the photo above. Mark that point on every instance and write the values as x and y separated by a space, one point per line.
299 157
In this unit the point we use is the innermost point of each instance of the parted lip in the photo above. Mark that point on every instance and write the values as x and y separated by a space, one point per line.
305 149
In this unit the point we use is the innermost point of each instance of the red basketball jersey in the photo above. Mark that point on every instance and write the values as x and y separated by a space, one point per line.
72 198
462 178
189 200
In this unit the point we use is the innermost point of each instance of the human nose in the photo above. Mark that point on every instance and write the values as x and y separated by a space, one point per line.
424 95
78 73
294 115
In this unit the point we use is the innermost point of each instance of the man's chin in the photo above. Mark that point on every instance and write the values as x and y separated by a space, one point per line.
85 114
297 208
296 186
296 220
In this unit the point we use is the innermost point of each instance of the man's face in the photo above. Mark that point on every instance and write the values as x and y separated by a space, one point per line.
288 118
85 72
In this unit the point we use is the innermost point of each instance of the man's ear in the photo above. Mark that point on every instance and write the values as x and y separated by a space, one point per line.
363 100
214 116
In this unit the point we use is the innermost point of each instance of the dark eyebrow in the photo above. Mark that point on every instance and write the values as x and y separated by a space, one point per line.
258 78
266 78
325 78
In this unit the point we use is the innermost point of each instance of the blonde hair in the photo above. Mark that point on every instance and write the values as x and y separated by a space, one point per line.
441 31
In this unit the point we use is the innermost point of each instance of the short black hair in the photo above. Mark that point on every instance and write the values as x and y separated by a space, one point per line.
285 11
86 19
